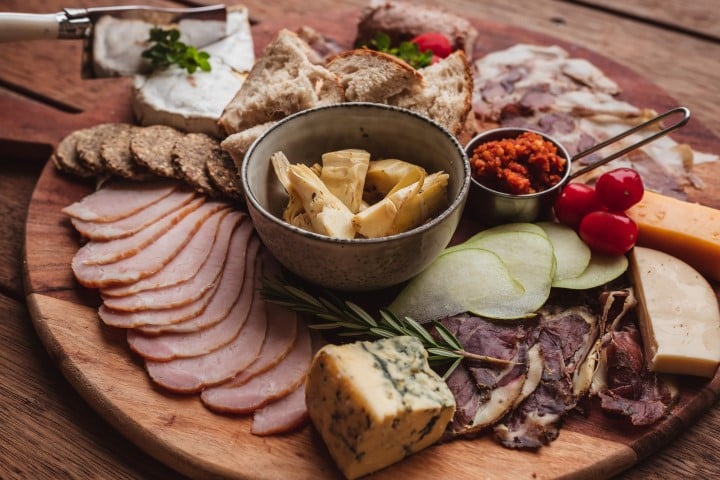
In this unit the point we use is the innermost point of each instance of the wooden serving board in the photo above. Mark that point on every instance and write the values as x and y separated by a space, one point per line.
180 432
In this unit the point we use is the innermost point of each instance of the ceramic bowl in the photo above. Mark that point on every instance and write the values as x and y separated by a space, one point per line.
492 207
384 131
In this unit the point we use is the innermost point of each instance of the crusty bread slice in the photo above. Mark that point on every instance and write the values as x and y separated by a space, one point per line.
447 95
283 81
239 143
372 76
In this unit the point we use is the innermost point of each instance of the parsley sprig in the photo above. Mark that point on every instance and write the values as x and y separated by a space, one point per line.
348 319
407 51
168 50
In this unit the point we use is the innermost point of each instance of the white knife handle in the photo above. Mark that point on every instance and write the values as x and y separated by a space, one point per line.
29 26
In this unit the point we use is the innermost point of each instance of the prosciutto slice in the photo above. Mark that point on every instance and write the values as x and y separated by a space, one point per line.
283 415
168 346
200 250
134 223
151 259
271 385
187 375
229 288
101 253
119 199
191 290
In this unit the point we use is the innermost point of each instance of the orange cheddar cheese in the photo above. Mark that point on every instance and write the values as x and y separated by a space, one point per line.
688 231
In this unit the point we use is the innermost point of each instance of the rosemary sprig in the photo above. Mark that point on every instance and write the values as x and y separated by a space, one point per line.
167 49
350 320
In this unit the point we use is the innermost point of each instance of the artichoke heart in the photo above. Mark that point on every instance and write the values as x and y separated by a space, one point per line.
343 172
385 177
404 209
327 214
294 212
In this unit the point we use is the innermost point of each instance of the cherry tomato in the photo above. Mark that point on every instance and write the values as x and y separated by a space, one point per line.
620 189
609 233
574 202
436 42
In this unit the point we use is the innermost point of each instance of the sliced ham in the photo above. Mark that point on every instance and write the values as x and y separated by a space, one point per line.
200 250
103 231
151 259
119 199
187 375
101 253
267 387
169 346
189 291
229 288
283 415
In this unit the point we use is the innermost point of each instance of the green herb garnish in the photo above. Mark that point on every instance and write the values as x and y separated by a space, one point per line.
168 50
350 320
407 51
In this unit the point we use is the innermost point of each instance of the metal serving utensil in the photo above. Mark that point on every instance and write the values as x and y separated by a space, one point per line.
79 23
493 207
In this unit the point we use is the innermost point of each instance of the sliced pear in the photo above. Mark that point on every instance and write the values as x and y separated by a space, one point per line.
466 280
571 253
601 270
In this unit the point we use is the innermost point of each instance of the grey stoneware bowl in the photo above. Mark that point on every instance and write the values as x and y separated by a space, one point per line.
385 132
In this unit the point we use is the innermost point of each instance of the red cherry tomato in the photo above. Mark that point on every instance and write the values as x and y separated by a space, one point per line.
620 189
436 42
574 202
609 233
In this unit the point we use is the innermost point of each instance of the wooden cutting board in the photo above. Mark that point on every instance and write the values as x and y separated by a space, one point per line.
178 431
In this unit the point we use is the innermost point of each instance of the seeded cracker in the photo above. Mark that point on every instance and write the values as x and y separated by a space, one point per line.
117 158
65 157
152 147
189 156
88 147
224 175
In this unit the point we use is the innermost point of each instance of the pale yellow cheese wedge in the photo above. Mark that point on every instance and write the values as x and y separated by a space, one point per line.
688 231
678 314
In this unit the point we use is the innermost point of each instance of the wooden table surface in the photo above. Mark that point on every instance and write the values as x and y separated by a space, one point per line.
48 431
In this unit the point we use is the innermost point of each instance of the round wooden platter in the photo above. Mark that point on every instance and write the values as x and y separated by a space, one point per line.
180 432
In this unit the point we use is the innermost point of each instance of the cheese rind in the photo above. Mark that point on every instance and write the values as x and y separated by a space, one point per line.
678 314
688 231
375 403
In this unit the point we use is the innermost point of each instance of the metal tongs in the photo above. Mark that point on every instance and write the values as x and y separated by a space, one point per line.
79 23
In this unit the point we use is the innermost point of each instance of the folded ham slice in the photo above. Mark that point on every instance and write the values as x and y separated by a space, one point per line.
283 415
119 199
101 253
192 289
169 346
149 260
187 375
271 385
103 231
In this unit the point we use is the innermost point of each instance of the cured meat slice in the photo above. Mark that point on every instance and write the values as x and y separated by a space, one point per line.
283 415
101 253
271 385
194 288
229 287
119 199
151 259
179 345
199 251
131 224
187 375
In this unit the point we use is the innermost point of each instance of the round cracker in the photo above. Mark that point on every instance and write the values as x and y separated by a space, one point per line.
189 157
119 160
152 147
88 147
65 156
224 175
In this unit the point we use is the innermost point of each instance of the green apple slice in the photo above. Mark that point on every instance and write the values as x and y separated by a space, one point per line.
571 253
504 228
601 270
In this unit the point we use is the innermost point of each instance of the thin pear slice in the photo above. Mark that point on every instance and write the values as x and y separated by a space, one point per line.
471 279
601 270
572 255
504 228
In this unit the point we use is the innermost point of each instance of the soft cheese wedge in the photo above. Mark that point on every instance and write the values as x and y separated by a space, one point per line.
374 403
678 314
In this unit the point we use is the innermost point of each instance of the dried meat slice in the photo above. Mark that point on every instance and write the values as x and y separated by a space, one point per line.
119 199
281 416
169 346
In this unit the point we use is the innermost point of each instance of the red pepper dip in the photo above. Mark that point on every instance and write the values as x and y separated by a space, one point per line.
521 165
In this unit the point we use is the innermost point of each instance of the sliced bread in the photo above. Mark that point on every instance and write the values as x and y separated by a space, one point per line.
239 143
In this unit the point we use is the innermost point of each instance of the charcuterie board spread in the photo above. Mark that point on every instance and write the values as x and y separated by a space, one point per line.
144 269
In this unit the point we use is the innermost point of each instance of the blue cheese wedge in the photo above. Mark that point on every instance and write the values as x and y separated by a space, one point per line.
678 314
375 403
